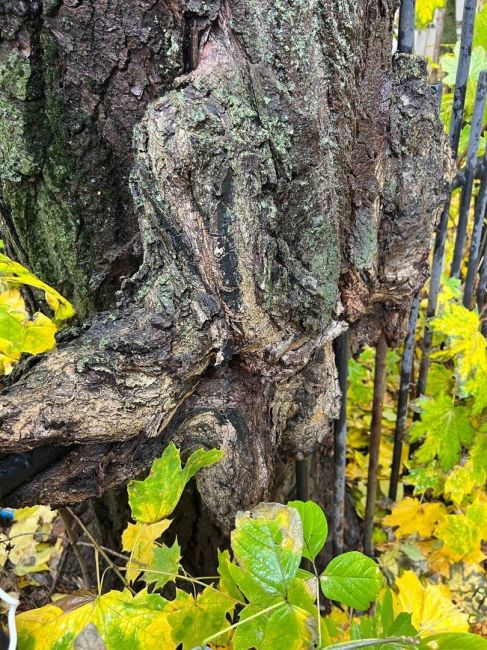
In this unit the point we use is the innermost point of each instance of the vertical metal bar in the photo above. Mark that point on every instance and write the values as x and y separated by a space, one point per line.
404 386
469 10
476 243
375 435
433 292
438 90
482 288
405 43
455 128
339 443
302 479
471 161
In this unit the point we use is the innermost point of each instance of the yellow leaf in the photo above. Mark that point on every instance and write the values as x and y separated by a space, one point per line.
26 553
139 538
460 483
122 621
462 534
413 517
431 607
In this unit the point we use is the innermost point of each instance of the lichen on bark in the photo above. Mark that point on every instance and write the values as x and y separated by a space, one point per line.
278 164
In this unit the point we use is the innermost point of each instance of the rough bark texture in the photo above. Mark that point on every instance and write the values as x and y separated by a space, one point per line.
285 176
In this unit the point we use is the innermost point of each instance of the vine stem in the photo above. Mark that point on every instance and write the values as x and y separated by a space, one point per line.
67 518
364 643
100 550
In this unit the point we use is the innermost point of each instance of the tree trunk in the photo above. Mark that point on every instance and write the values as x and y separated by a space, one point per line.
221 187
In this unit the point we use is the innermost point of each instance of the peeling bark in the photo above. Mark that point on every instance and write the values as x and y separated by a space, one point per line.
285 176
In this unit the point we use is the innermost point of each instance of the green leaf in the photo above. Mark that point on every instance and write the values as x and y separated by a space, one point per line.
315 527
302 591
352 579
164 565
445 427
258 593
227 584
194 620
199 459
250 635
267 544
426 478
120 620
480 32
139 539
454 641
290 628
156 497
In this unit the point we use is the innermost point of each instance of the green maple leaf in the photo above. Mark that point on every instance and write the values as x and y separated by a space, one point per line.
445 427
164 565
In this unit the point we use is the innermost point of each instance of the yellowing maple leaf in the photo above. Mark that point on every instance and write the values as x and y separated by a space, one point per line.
464 341
120 620
462 534
431 606
26 553
412 517
139 538
460 483
445 427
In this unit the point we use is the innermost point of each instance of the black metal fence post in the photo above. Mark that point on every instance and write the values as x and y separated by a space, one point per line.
374 443
403 401
339 444
407 14
302 479
469 171
475 245
455 128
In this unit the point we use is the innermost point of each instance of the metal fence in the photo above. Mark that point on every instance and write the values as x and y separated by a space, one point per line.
474 283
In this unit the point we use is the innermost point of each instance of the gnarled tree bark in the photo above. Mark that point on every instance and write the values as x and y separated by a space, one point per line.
222 187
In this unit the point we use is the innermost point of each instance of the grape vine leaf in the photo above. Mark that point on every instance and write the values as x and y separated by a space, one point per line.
156 497
315 527
352 579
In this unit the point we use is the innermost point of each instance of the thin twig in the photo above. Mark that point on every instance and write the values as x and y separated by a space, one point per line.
66 516
101 551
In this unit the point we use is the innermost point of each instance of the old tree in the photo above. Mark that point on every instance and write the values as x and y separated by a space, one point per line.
221 187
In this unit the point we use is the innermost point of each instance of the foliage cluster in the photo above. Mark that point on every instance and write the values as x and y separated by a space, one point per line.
20 333
264 596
